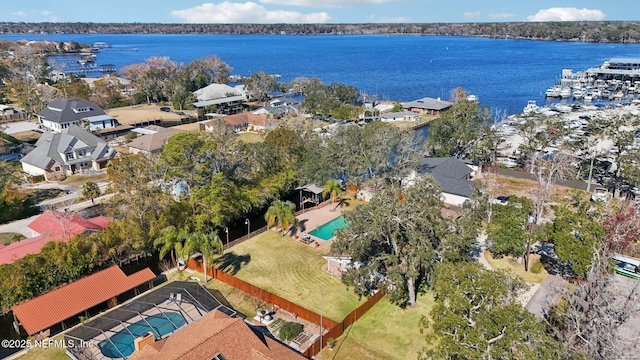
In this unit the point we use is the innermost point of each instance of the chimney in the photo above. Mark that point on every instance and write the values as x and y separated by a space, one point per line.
140 342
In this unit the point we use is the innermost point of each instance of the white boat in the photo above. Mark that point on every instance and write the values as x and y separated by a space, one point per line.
588 98
552 92
531 108
577 94
473 99
565 92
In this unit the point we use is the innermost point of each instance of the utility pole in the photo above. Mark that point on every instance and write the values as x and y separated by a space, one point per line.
591 171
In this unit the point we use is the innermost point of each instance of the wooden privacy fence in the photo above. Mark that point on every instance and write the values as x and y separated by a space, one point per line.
335 328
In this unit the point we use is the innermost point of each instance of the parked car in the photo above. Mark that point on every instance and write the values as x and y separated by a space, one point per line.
165 109
600 195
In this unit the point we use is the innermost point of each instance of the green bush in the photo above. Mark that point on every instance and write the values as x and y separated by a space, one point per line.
536 267
289 331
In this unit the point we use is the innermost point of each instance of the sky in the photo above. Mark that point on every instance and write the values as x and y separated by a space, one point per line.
315 11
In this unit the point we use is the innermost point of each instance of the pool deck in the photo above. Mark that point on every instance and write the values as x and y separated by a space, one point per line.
312 219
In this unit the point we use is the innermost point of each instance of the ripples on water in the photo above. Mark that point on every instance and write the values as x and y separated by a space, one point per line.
505 74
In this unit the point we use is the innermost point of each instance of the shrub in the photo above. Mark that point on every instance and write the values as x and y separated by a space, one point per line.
536 268
289 331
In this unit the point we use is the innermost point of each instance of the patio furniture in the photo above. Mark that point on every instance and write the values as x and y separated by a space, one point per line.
170 299
179 298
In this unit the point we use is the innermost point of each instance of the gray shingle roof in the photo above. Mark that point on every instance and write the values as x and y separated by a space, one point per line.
427 103
448 167
451 173
50 145
62 111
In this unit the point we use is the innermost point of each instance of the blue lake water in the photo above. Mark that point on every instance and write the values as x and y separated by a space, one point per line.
504 73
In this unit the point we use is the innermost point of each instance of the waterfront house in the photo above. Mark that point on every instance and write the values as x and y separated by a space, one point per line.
68 152
60 114
427 105
400 116
227 99
367 101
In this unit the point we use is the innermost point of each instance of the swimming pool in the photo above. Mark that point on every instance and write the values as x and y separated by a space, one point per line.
328 230
123 340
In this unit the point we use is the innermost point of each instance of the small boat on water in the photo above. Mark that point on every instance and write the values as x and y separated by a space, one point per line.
473 98
565 92
531 108
553 92
577 94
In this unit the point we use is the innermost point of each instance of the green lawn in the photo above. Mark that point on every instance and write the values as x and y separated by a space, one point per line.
291 270
51 353
81 179
250 137
510 264
384 332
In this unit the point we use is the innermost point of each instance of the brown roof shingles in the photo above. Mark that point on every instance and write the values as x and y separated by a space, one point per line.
246 118
216 333
60 304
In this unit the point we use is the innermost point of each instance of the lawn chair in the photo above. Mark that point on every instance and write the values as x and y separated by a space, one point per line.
172 296
179 298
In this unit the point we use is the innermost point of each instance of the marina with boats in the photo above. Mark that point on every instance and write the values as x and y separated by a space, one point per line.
614 80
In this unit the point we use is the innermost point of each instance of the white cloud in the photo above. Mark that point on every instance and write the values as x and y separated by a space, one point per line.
248 12
19 13
388 20
327 3
501 15
46 13
567 14
471 14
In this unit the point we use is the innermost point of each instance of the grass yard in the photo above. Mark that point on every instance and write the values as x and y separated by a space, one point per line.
509 263
384 332
250 137
50 353
81 179
9 238
291 270
239 300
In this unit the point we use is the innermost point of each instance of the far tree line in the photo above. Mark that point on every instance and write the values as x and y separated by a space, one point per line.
590 31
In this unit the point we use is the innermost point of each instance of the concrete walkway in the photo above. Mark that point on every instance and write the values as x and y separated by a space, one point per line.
525 298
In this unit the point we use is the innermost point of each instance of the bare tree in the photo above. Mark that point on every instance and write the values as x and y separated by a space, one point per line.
548 170
598 312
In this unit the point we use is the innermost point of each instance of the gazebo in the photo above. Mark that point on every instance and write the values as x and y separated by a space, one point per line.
310 193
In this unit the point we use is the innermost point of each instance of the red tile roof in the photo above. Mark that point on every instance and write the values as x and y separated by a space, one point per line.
51 225
20 249
62 225
60 304
216 333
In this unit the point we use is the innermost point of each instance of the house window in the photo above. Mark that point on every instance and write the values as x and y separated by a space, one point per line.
82 152
57 168
69 156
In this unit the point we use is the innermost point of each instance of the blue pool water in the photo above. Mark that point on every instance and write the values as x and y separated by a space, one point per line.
328 230
123 340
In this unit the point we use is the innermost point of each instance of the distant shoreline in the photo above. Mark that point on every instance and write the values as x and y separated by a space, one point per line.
623 32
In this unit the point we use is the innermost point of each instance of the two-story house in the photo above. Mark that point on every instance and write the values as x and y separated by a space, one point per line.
60 154
60 114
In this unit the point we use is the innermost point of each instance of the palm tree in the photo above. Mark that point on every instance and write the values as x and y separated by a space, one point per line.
332 187
282 213
170 240
207 244
90 190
